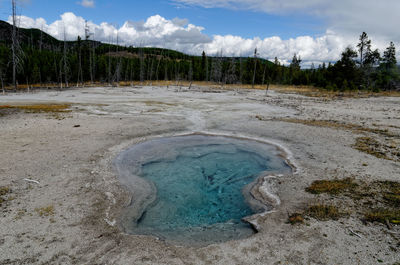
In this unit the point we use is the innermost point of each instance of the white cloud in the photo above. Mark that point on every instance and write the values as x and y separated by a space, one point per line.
87 3
180 35
377 18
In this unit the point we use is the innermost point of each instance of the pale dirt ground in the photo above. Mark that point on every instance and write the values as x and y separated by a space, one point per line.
73 166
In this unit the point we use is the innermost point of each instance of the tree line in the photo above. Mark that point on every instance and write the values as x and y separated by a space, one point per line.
45 60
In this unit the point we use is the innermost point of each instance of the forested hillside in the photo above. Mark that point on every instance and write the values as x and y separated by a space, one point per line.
42 59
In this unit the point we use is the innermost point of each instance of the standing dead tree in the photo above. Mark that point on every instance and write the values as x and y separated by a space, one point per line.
79 53
2 79
64 60
92 51
109 63
255 68
17 53
117 74
231 76
141 58
217 68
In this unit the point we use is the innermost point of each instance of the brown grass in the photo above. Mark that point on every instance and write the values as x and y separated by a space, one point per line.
296 218
45 211
383 215
324 212
372 147
391 192
337 125
4 191
335 186
377 201
39 108
310 91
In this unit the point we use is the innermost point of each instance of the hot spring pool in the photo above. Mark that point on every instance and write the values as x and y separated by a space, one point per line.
191 188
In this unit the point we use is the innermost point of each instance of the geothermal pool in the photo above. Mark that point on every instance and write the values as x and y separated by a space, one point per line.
194 189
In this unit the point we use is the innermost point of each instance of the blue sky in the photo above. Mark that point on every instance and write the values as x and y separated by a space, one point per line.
317 30
247 24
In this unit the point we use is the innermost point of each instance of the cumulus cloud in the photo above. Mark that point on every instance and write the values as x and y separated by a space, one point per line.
87 3
378 18
179 34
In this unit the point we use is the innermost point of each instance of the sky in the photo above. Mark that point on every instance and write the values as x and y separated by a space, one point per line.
317 30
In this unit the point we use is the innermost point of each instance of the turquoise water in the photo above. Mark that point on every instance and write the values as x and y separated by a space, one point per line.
198 182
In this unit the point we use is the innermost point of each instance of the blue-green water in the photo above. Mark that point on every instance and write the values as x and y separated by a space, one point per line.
198 183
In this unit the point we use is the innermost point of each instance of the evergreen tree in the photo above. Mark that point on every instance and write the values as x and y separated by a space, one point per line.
389 56
364 47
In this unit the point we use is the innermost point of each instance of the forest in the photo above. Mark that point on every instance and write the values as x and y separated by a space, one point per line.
30 56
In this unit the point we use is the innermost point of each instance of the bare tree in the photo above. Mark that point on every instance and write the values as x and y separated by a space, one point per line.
92 52
1 80
158 64
255 68
217 68
241 69
80 72
17 52
141 57
65 61
109 62
131 75
117 74
231 76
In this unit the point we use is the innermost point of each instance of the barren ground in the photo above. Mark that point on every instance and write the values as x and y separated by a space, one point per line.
62 197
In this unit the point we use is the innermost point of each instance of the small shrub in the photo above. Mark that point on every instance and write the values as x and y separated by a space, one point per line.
296 218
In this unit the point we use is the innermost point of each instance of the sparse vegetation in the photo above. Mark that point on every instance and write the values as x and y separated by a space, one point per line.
335 186
377 201
324 212
373 147
296 218
4 191
336 125
45 211
39 108
383 215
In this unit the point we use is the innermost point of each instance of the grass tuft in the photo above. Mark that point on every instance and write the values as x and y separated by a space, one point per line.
45 211
3 192
382 215
335 186
324 212
296 218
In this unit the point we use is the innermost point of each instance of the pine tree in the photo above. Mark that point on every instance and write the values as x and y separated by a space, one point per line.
364 47
389 56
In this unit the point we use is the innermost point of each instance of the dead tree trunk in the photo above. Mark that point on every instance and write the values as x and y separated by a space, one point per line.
255 68
2 81
65 60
